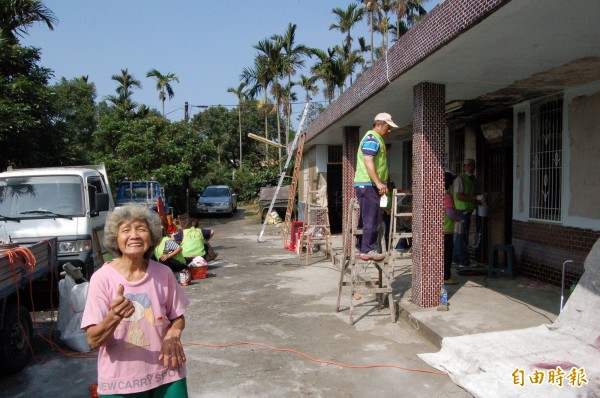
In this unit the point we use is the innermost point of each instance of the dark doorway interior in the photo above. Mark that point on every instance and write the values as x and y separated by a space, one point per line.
334 197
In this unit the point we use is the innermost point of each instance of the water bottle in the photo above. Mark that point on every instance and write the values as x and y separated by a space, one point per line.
383 201
444 296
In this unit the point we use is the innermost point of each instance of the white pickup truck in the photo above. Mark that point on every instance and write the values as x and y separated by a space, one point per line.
69 203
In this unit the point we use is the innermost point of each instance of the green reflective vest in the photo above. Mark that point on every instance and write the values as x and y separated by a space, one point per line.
160 249
192 242
469 190
361 176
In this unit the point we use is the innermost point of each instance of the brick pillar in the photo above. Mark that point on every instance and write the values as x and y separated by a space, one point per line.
428 193
349 149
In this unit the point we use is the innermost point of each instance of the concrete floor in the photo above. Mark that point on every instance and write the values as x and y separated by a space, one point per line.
264 295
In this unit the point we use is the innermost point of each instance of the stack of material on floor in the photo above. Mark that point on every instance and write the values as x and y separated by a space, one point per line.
558 360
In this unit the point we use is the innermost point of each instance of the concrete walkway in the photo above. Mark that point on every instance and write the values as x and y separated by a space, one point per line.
477 304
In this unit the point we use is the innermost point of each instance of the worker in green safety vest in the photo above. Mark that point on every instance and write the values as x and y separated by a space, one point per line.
370 184
169 253
193 241
465 200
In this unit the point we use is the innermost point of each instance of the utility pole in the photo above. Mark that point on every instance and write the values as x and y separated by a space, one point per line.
186 113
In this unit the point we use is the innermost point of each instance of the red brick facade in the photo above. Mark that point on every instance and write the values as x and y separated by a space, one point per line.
349 150
541 250
428 193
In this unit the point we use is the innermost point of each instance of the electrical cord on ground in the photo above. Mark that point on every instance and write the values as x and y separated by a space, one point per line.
323 361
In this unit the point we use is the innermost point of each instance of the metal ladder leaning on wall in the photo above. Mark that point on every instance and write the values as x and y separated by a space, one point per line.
299 142
356 273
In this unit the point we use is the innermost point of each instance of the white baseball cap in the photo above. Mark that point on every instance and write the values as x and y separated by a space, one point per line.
386 117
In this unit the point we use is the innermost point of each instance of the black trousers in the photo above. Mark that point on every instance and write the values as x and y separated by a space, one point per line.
175 265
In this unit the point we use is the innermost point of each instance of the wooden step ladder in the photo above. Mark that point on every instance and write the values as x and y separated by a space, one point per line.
316 228
400 224
357 273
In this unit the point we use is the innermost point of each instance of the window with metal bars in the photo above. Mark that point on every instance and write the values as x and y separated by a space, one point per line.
546 160
457 148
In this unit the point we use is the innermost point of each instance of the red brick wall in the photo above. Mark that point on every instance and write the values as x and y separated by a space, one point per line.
541 249
349 150
428 193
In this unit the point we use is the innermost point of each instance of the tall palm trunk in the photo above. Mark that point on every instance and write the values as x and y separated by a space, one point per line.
266 129
240 129
278 135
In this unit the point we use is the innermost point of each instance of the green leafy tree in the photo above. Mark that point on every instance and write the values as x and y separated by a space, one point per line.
76 117
28 137
163 85
152 147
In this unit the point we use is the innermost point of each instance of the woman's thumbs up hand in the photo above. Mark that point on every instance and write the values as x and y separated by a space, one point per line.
121 306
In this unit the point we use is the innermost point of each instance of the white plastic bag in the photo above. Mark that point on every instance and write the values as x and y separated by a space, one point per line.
70 311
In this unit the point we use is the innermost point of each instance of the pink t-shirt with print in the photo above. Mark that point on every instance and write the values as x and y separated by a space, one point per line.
128 361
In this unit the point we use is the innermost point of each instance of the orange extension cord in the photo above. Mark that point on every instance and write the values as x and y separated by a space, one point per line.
26 260
341 365
22 258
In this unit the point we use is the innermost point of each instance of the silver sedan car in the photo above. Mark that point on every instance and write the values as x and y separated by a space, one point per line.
217 199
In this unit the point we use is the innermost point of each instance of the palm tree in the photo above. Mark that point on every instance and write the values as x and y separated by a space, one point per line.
241 96
372 6
292 60
346 20
309 86
16 16
351 59
278 95
122 102
408 13
123 99
363 48
163 83
331 70
126 82
267 65
383 23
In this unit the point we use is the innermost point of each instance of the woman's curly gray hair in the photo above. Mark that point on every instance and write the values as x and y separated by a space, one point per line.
126 213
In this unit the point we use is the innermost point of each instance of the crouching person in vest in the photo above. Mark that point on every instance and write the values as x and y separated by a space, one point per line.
192 242
169 253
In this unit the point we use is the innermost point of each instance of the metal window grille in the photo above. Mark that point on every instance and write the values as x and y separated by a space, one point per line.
334 154
458 148
546 160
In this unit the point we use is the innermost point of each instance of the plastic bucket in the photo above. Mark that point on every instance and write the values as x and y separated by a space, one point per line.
482 211
198 272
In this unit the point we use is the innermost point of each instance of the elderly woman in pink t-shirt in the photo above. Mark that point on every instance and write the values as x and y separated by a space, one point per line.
134 312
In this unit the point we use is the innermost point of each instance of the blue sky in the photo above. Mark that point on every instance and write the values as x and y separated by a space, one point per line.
205 43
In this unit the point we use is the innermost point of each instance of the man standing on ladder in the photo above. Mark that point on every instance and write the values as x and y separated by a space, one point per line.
370 184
